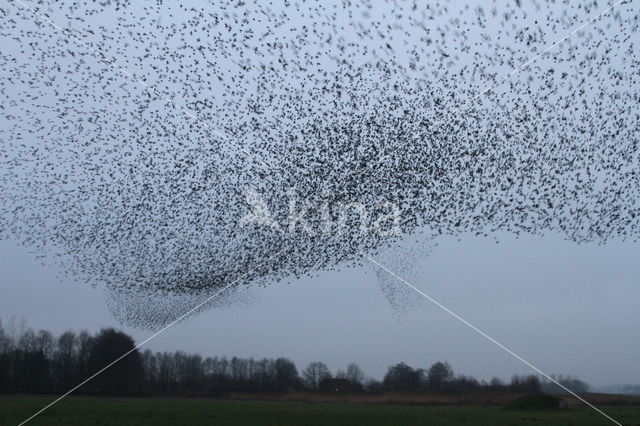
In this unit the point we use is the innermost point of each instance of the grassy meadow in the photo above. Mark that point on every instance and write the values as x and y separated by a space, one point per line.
86 410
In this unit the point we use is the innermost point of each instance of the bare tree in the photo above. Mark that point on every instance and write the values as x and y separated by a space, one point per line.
66 357
6 340
314 373
355 375
286 375
439 374
403 377
109 345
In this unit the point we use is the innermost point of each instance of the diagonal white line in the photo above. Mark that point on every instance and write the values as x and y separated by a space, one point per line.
485 335
102 57
162 330
502 80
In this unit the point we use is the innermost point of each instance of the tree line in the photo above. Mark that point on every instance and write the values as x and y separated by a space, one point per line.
39 362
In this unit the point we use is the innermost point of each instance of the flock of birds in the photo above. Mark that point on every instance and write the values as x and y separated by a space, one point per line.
132 133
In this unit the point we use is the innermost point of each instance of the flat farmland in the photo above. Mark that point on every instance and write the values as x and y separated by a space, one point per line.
85 410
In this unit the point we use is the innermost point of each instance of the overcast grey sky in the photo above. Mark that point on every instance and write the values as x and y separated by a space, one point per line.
567 308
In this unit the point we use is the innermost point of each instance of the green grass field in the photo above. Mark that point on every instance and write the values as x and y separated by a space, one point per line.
80 410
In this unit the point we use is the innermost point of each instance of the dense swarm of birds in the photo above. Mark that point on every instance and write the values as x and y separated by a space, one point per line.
135 134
